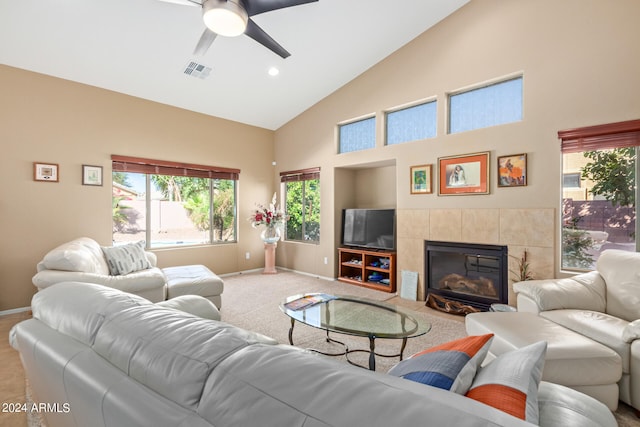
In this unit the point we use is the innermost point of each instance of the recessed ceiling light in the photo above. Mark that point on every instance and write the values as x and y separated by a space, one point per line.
273 71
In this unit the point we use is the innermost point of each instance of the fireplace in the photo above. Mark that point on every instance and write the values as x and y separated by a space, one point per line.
468 273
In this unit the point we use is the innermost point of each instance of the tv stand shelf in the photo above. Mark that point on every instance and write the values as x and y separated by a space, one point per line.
357 266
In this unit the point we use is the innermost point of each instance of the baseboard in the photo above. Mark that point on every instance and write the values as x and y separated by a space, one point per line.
257 270
14 311
330 279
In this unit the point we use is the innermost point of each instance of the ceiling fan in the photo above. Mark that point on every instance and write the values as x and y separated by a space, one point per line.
232 18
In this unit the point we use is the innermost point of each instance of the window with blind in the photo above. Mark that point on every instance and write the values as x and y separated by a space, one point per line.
172 204
302 196
599 202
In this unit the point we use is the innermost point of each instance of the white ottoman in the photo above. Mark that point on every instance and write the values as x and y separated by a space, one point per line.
194 280
572 359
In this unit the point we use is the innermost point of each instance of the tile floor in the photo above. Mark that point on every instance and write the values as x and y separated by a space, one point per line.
11 373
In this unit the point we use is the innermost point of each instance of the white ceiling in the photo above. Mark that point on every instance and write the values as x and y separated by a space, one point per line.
141 48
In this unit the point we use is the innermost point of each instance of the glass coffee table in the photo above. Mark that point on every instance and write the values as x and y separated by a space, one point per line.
354 316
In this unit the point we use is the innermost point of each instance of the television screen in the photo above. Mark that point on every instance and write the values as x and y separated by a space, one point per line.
369 228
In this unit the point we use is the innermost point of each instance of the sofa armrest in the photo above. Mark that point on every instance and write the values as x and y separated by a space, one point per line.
631 331
152 258
584 291
560 405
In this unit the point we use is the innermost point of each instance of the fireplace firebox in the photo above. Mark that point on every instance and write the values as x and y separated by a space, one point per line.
469 273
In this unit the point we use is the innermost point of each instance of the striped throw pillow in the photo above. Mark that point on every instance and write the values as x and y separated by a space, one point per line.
125 259
451 366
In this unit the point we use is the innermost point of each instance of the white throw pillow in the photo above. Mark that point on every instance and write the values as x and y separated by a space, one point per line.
126 259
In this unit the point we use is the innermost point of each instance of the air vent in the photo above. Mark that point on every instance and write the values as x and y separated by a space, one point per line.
197 70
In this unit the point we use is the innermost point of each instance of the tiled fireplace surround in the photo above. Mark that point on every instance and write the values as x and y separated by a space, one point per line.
518 229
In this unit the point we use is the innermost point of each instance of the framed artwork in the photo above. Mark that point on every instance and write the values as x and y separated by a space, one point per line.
45 172
421 178
464 174
512 170
91 175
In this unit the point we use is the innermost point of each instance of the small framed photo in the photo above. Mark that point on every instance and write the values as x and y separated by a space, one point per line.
421 179
512 170
91 175
463 175
45 172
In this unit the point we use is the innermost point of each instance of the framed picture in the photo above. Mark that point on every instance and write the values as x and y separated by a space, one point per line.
421 178
45 172
91 175
465 174
512 170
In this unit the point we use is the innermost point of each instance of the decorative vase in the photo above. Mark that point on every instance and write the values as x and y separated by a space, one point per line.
271 234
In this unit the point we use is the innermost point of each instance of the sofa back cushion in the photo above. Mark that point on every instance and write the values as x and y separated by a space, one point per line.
82 255
621 272
79 309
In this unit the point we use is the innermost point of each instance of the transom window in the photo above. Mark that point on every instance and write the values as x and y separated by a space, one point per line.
411 123
172 204
491 105
357 135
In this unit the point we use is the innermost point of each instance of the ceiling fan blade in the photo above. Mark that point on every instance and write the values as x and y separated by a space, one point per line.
265 39
183 2
254 7
206 39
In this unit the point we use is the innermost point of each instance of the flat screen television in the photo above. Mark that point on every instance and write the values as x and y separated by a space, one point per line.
369 228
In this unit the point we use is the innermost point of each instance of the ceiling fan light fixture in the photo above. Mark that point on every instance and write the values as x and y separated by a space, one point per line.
226 18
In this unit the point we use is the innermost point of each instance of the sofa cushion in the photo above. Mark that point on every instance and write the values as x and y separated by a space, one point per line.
586 291
82 254
170 352
126 259
451 366
600 327
510 382
621 272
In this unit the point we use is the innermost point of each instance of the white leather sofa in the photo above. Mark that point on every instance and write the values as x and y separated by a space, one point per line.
116 359
83 260
602 305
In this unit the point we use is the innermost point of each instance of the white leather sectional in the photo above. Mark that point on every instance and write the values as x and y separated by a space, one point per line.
591 322
118 360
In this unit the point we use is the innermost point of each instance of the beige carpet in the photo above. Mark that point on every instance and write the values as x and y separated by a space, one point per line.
251 301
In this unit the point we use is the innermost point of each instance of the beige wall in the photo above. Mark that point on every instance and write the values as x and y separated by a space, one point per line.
580 68
43 119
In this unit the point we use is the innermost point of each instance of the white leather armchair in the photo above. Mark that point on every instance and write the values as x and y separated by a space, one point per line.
82 260
603 305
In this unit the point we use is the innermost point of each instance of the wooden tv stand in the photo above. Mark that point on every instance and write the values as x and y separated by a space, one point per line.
357 265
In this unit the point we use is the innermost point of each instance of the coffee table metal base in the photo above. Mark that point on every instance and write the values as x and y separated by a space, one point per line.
347 350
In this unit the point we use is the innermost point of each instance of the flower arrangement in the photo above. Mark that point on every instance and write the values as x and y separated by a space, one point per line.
270 216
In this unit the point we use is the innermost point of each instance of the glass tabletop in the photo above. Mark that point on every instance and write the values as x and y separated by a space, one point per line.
355 316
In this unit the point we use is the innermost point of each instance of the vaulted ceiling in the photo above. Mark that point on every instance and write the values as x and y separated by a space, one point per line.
143 47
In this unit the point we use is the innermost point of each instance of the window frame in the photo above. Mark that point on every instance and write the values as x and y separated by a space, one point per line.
407 107
595 138
481 86
298 176
352 122
150 167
